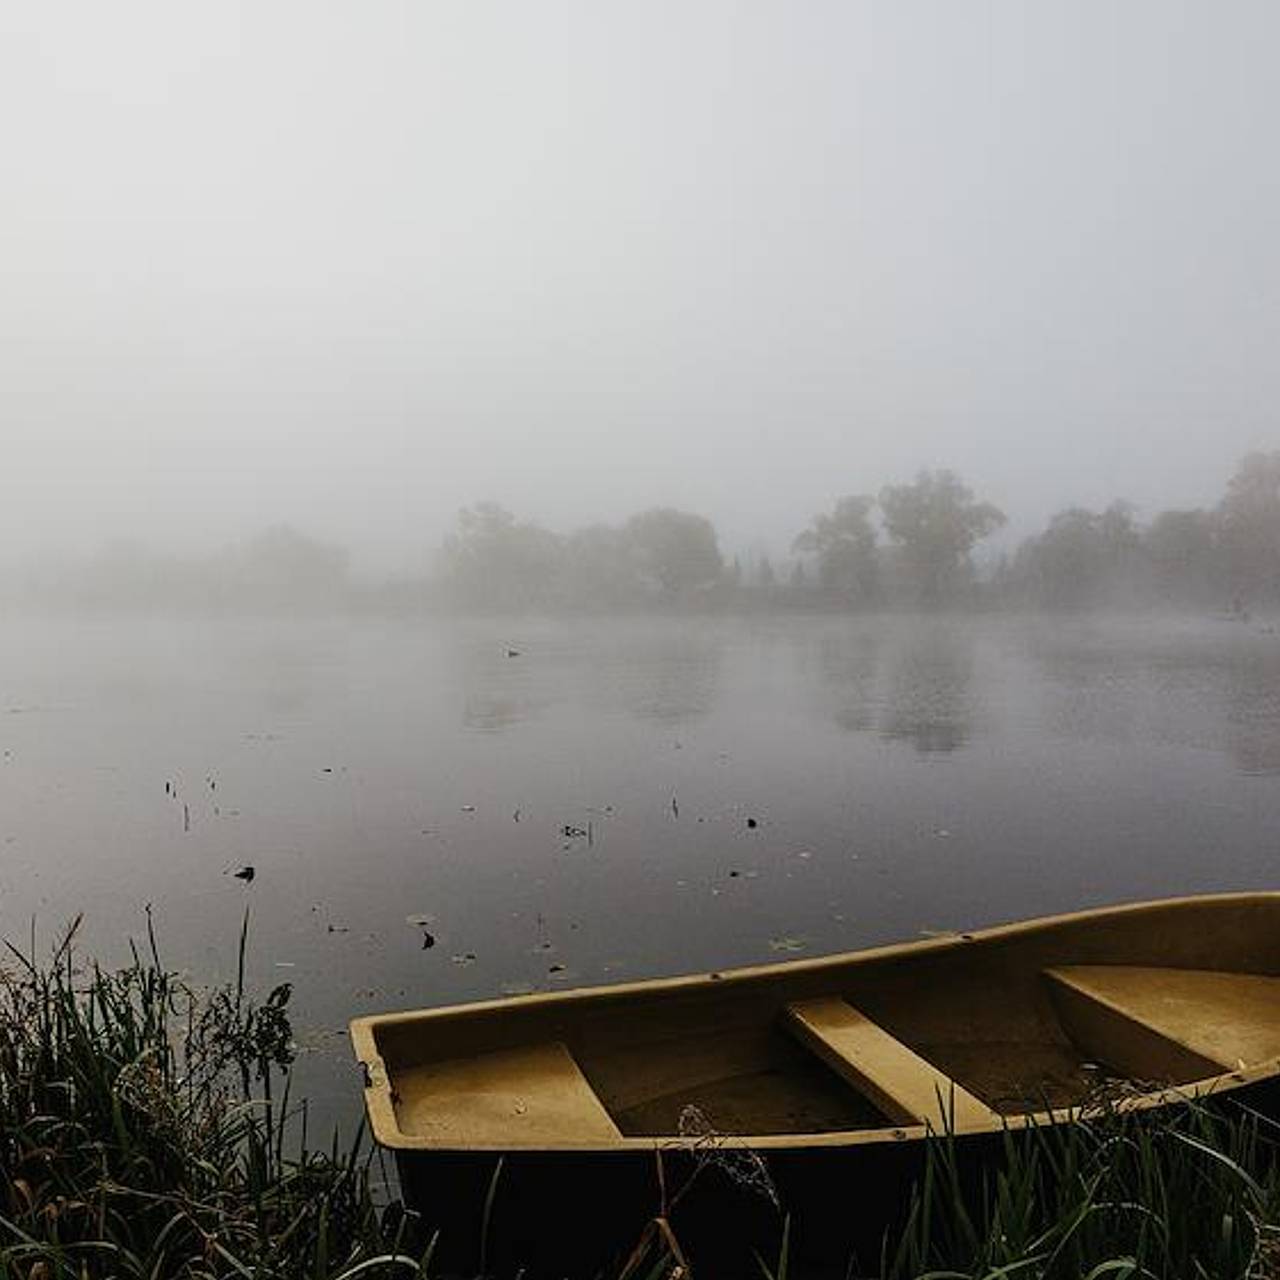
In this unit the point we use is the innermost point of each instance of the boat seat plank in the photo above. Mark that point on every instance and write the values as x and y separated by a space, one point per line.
1163 1022
893 1076
513 1098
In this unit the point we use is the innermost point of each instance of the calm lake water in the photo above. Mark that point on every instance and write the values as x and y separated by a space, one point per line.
554 803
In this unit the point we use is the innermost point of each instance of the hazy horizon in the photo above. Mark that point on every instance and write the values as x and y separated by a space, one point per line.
351 269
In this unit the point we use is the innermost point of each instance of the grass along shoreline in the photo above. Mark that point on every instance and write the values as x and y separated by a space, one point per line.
147 1130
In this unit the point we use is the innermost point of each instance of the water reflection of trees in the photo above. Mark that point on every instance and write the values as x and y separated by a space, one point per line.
669 677
1253 714
1216 690
1093 696
849 665
921 695
499 692
664 673
928 695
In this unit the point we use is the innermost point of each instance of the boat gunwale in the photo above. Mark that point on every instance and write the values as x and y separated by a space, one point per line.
386 1131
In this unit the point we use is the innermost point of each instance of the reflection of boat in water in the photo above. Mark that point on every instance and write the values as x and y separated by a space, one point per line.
815 1068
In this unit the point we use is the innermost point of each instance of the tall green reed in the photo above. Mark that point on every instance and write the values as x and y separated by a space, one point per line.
146 1130
1188 1191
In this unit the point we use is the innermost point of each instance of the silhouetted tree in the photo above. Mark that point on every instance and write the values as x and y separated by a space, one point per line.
1250 527
600 568
675 550
1063 566
1183 553
1084 559
494 562
280 566
844 544
935 522
1066 564
1122 551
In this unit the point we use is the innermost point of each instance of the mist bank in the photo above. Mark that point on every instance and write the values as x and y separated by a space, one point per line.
913 545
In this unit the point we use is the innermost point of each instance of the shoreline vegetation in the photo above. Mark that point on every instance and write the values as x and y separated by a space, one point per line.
911 546
147 1129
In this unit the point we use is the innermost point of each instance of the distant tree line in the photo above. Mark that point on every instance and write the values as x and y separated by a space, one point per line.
664 556
278 568
1225 557
931 524
493 560
910 545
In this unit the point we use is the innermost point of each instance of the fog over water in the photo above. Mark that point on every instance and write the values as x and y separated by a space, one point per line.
621 798
519 495
351 268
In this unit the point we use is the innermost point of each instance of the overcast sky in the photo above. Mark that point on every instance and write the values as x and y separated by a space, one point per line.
353 265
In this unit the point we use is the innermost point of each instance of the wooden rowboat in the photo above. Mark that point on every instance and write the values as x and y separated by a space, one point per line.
809 1064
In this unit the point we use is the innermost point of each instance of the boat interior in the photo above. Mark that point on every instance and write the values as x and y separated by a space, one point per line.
956 1035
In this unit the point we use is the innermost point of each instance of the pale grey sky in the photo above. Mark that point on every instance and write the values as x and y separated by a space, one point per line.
353 265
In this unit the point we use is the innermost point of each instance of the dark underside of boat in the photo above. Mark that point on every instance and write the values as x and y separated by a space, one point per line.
559 1214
